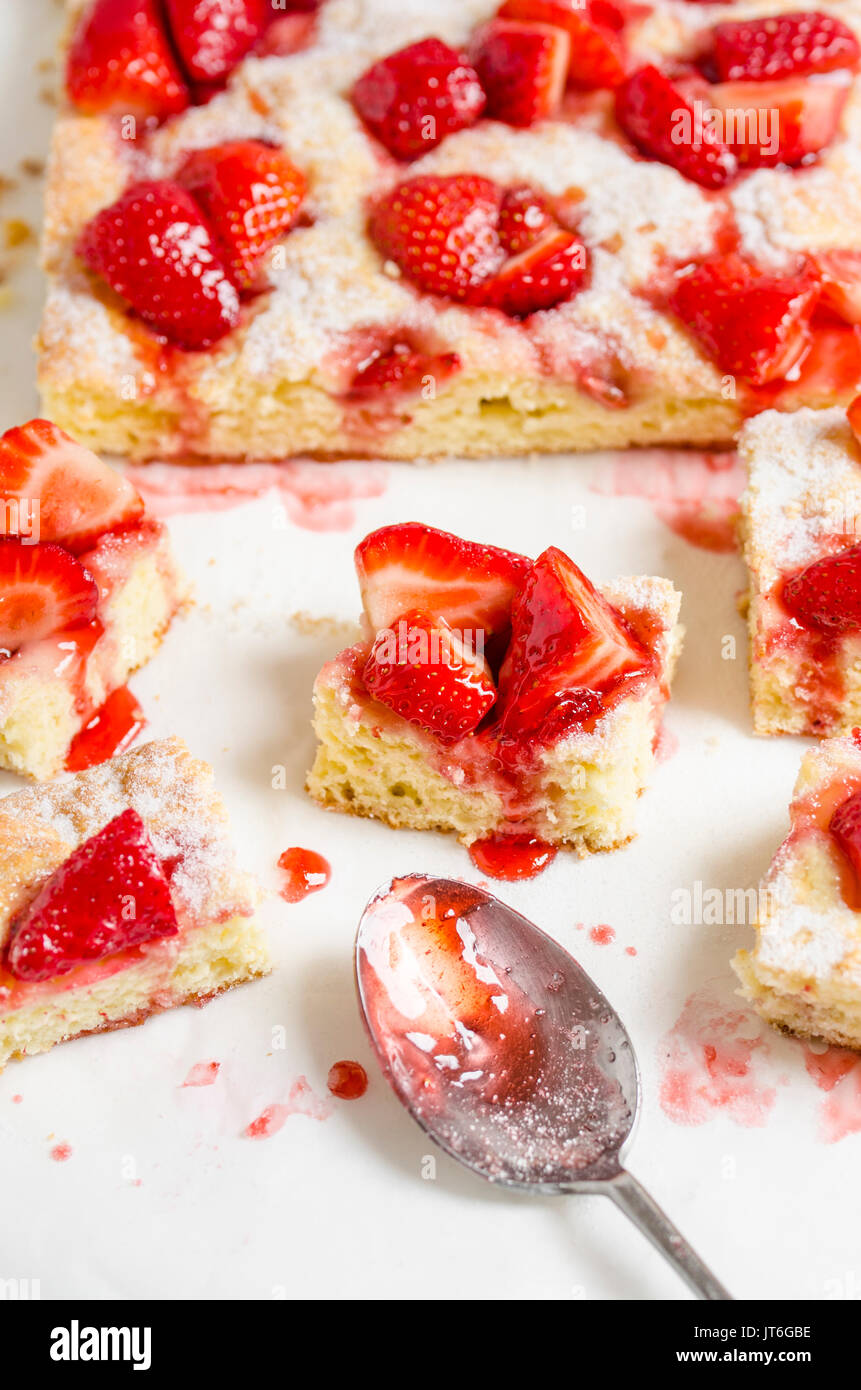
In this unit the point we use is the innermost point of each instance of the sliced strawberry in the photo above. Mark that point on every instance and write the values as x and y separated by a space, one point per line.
111 893
121 61
414 566
251 195
570 652
429 675
826 595
155 250
783 45
754 323
845 826
416 97
441 231
550 271
522 68
212 36
79 498
663 123
840 276
597 57
403 371
524 217
287 34
768 123
43 589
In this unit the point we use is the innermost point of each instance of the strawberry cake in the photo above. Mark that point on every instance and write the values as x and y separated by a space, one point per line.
804 973
88 588
119 898
508 701
801 520
371 227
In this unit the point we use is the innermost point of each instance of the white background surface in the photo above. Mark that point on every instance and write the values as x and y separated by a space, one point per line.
339 1207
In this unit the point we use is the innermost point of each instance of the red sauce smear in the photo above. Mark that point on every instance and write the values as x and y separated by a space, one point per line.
837 1071
61 1153
202 1074
711 1061
602 935
347 1080
112 729
512 857
306 872
695 495
300 1101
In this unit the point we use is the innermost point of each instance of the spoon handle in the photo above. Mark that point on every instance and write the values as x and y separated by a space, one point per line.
645 1213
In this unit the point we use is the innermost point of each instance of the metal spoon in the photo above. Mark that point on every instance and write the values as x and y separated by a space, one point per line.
504 1051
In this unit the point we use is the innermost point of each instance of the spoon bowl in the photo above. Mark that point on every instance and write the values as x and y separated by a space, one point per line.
504 1050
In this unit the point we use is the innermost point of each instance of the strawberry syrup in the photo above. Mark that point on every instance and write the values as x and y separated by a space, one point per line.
512 858
300 1101
112 729
347 1080
713 1060
202 1074
305 872
695 494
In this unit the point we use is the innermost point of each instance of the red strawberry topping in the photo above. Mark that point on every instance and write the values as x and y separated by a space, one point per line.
754 323
120 60
416 97
411 566
404 371
442 232
523 219
783 45
662 123
78 497
570 653
548 272
840 275
826 596
769 123
429 675
43 589
155 250
111 893
597 55
522 68
212 36
845 826
251 194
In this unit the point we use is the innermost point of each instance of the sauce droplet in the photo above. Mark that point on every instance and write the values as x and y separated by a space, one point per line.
512 857
113 728
347 1080
306 872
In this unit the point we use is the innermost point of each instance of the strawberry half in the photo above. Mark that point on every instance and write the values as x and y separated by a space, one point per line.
121 61
522 68
845 826
524 216
416 97
754 323
768 123
826 595
155 250
111 893
43 589
423 670
411 566
662 122
783 45
840 276
597 55
441 231
79 497
553 269
403 371
570 652
251 195
212 36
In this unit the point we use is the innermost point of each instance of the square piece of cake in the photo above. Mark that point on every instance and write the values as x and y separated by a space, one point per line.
500 699
119 898
378 228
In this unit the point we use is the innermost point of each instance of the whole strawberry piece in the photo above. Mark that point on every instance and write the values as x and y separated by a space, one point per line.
43 590
212 36
753 322
111 893
663 123
251 195
403 371
441 230
120 60
826 595
783 45
548 272
155 250
597 55
416 97
523 68
431 675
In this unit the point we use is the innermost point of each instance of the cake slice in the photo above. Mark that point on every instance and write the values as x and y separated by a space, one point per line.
119 898
504 700
801 519
804 973
393 230
88 588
